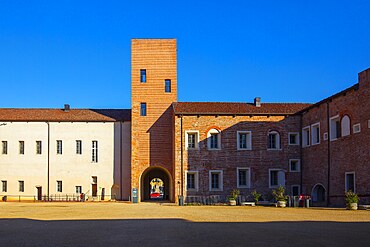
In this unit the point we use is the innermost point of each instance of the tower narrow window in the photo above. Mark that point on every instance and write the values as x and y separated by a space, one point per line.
143 75
167 86
21 147
78 147
59 147
38 147
94 151
142 109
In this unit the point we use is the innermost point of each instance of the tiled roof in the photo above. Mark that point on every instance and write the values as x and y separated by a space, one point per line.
59 115
223 108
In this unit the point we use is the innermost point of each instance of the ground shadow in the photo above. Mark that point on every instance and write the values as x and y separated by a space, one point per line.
178 232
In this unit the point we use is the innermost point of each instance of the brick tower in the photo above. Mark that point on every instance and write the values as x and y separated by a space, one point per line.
153 89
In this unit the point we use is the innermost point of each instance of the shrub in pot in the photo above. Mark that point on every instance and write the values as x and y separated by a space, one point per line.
280 196
233 196
351 199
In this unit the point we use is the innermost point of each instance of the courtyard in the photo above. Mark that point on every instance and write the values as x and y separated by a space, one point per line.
148 224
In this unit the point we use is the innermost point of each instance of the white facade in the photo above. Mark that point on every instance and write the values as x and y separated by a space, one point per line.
42 171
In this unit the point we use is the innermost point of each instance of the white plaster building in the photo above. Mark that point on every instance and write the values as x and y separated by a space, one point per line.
60 153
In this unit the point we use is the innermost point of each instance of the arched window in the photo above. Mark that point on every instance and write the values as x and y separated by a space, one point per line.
318 193
214 139
273 140
346 125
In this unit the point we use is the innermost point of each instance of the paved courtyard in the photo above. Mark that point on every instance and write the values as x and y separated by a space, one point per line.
151 224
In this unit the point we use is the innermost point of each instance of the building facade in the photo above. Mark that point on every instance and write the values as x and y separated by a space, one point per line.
165 149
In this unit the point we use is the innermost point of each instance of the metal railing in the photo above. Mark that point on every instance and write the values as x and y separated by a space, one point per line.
56 198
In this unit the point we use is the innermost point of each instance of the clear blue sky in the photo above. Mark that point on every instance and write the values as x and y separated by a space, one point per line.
78 52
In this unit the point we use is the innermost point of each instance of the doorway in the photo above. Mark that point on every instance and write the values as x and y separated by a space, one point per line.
156 185
39 193
94 186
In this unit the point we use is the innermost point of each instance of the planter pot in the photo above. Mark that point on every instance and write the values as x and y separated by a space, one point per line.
352 206
281 204
232 202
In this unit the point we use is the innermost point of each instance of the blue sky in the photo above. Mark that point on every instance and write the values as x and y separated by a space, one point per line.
78 52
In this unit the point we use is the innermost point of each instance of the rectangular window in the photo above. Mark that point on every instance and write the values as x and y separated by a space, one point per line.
78 147
294 165
38 147
4 186
315 130
94 151
142 109
78 189
277 178
59 147
273 140
335 129
293 138
214 141
243 177
192 139
306 136
143 75
21 186
296 190
21 147
215 180
356 128
191 180
350 181
4 147
244 140
59 186
167 86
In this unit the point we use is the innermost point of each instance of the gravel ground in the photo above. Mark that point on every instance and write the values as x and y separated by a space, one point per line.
145 224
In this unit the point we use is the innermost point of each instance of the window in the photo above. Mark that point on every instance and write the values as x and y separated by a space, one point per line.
78 189
296 190
306 136
167 86
59 147
214 139
325 136
356 128
4 186
345 126
215 180
244 140
350 181
192 180
4 147
294 165
335 131
38 147
243 177
143 75
59 186
368 123
94 151
273 140
21 147
192 139
21 186
142 109
293 138
277 178
78 147
315 130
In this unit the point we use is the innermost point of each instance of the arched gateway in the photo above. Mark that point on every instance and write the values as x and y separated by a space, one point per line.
148 186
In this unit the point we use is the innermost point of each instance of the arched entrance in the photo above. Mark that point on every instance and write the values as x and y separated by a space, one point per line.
319 195
156 184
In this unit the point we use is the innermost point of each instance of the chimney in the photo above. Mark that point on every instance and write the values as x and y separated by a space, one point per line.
257 102
67 107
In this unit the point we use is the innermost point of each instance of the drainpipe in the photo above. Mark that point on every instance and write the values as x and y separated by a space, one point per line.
120 162
329 157
48 177
182 163
301 151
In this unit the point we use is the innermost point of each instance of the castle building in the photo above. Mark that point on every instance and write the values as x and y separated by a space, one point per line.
190 150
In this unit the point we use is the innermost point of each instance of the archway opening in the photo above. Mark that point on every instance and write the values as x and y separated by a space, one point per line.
318 194
155 185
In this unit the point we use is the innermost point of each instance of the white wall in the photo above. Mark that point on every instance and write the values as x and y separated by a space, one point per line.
70 168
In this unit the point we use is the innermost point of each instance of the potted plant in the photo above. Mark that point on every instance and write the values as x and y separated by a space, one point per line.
256 196
280 196
233 196
351 199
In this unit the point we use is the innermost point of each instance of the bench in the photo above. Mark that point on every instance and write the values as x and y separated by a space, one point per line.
248 204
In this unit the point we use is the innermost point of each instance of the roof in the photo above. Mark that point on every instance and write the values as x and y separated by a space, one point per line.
60 115
223 108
